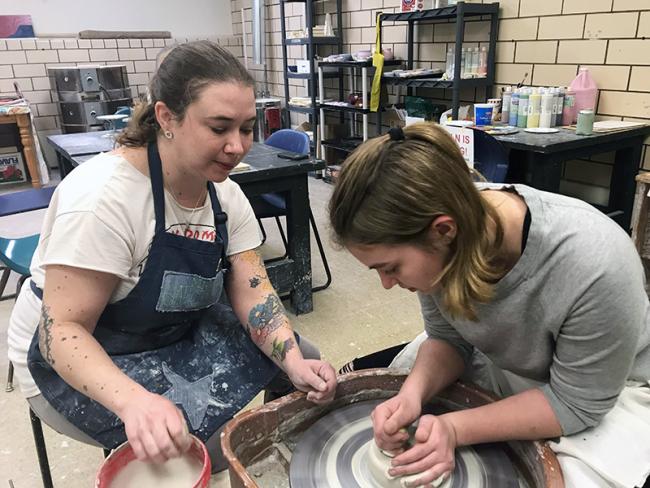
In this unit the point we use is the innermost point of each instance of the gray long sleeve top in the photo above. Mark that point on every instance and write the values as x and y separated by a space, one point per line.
572 313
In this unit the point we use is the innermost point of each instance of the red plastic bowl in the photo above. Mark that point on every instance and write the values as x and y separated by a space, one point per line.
123 455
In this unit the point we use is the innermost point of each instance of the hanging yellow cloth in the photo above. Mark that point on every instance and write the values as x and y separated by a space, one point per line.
378 63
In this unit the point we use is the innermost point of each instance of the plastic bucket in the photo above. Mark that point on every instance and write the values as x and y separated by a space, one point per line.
483 113
123 455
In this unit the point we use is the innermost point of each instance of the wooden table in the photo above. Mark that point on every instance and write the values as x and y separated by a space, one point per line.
267 174
538 160
27 140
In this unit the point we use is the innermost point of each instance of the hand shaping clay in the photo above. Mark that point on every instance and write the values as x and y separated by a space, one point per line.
379 464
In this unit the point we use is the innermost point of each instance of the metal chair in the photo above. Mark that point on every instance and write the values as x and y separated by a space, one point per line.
274 205
491 158
16 255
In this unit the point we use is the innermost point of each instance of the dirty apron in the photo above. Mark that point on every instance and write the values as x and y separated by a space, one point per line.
174 333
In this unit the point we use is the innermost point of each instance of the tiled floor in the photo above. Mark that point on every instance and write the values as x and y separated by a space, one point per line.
353 317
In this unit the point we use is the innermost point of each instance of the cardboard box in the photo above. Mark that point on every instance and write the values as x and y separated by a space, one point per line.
12 169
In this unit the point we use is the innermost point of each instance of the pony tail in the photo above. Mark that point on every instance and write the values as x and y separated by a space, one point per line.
142 128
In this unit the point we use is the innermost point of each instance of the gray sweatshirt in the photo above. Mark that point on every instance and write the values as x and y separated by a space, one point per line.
572 313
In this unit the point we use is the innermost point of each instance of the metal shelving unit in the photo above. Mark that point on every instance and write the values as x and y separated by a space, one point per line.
311 43
357 68
458 13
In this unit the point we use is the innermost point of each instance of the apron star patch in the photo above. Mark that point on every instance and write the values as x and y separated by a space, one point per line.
193 396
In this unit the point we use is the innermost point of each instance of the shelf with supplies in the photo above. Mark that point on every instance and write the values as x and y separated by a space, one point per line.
434 82
358 100
313 40
449 12
307 76
301 41
301 110
345 144
348 107
457 14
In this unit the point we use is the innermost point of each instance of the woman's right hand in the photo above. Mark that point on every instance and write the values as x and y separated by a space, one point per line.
390 419
155 427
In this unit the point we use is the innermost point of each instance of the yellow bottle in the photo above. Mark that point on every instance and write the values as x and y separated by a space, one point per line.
534 106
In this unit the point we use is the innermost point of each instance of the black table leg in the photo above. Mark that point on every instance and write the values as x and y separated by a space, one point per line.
65 166
623 185
299 250
545 171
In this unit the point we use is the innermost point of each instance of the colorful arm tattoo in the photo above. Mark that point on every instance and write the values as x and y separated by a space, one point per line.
280 349
265 318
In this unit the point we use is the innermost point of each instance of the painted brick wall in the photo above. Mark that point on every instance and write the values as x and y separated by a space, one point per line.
26 61
543 42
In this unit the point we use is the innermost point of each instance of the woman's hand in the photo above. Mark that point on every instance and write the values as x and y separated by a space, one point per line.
390 419
315 377
155 427
432 455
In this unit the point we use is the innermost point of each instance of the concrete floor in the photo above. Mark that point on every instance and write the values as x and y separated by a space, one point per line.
353 317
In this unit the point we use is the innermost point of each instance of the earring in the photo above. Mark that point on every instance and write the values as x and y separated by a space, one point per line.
168 134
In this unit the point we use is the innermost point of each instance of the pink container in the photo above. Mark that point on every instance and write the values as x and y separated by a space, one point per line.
586 92
124 454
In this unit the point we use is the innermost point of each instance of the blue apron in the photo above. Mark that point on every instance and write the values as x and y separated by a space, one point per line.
174 333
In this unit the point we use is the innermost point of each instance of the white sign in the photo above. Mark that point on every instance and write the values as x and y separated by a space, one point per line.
465 140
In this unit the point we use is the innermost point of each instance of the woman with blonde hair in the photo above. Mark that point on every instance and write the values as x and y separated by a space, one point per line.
537 296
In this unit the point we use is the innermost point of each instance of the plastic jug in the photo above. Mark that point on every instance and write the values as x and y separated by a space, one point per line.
586 91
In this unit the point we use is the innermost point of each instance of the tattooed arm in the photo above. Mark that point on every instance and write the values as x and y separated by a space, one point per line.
259 308
73 300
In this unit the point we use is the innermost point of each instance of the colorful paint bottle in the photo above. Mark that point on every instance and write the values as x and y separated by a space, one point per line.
560 105
534 105
546 109
505 104
569 109
522 113
514 108
585 125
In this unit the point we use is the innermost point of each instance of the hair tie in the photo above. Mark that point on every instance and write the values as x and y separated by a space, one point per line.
396 134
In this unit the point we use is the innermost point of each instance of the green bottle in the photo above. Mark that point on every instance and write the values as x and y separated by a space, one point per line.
522 115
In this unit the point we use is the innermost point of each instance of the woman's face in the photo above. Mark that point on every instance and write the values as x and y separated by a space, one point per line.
217 130
405 265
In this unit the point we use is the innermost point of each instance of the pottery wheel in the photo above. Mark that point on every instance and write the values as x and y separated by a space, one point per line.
332 453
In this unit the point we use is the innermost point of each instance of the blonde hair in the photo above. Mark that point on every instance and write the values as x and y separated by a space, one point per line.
390 191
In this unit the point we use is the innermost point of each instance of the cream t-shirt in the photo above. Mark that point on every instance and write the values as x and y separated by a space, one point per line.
101 217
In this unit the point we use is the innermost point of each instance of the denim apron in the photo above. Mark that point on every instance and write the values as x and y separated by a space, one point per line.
174 333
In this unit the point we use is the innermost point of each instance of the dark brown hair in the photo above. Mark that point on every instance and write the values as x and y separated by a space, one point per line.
390 191
183 72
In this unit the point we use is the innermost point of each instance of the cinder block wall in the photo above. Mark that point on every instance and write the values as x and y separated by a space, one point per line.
26 61
541 42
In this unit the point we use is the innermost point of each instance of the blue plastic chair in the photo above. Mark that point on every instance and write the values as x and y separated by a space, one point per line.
121 124
274 205
490 157
16 255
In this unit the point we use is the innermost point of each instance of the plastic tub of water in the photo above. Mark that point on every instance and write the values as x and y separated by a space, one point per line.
122 470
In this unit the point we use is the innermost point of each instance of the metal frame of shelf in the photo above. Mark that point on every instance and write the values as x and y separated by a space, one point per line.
364 110
459 12
311 44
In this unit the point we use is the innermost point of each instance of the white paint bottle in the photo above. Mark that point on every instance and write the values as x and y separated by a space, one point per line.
546 109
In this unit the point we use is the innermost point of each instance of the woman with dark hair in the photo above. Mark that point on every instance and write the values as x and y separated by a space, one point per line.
149 312
536 296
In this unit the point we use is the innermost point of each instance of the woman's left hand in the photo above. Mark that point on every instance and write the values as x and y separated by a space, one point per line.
315 377
432 455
